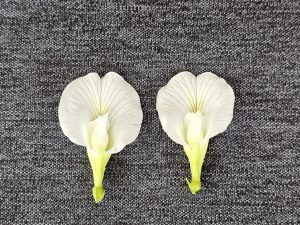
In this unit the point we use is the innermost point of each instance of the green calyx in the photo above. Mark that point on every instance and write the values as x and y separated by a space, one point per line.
196 154
98 163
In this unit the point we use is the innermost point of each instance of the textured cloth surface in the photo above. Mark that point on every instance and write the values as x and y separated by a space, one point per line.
251 174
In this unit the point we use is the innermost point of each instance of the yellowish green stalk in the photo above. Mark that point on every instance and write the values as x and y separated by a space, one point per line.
98 163
196 154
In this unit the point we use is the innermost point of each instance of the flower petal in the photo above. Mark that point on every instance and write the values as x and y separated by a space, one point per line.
122 103
185 93
78 106
215 99
88 97
174 101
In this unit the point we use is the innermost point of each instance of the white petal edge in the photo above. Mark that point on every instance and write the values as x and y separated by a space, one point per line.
174 101
216 102
78 106
125 113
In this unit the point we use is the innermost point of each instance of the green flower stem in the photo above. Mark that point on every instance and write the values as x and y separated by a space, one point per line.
98 163
196 154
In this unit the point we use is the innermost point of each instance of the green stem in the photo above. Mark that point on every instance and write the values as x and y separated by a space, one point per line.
196 154
98 163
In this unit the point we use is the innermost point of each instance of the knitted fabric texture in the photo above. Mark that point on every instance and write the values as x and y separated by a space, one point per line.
251 173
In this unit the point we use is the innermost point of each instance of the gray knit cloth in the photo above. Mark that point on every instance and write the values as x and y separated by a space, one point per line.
251 174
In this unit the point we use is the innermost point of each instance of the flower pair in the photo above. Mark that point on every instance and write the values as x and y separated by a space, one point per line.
105 115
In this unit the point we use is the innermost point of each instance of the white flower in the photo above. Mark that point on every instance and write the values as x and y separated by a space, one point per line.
102 114
192 110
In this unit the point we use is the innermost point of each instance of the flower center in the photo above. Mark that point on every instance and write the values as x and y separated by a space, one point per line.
98 133
193 123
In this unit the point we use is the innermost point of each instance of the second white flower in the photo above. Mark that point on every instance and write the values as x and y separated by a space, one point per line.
192 110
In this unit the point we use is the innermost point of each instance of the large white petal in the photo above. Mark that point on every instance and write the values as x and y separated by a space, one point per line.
215 99
174 101
185 93
79 104
89 97
122 104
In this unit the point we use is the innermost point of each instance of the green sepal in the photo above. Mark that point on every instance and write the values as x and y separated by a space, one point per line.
98 193
98 163
196 154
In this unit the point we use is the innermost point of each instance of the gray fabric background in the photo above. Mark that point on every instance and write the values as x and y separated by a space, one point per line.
252 171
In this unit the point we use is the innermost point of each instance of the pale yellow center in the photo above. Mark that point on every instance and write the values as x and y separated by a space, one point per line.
98 133
193 123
